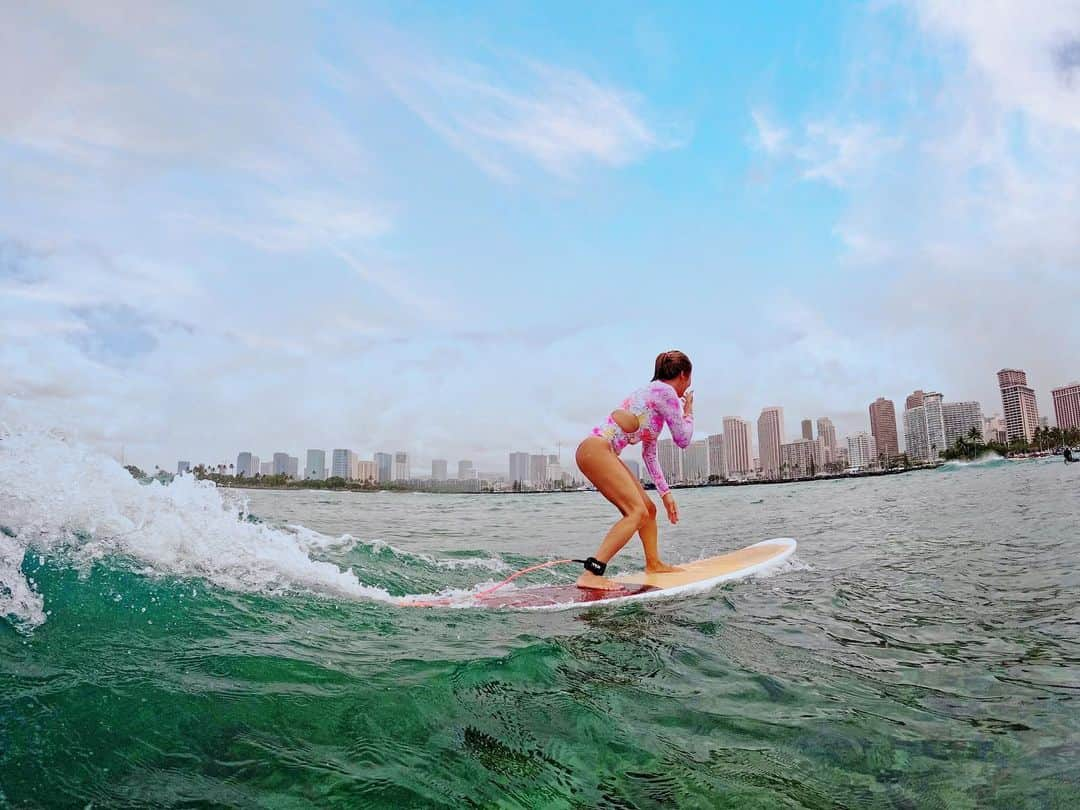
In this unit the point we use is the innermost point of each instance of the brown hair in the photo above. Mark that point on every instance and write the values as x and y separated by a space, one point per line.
670 365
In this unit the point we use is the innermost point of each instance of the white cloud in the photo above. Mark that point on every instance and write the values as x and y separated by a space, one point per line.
557 118
770 137
842 155
134 86
1027 53
299 223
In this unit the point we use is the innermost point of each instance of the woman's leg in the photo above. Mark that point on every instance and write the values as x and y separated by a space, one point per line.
648 532
598 462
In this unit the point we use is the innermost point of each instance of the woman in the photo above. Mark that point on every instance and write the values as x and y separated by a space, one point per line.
641 418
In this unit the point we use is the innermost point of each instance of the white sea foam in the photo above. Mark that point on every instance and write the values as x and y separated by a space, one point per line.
57 495
983 460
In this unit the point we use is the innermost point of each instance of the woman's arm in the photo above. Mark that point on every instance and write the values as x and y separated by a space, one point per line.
652 464
680 423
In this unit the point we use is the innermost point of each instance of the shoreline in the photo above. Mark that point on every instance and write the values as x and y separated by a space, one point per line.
648 488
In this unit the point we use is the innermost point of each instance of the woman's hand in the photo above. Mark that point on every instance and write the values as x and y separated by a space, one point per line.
671 507
688 403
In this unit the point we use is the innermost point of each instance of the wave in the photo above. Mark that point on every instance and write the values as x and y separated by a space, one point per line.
988 459
58 496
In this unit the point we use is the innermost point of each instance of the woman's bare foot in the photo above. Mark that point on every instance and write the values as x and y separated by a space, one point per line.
591 580
661 568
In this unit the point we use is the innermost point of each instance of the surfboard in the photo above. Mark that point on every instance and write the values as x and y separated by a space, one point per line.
694 577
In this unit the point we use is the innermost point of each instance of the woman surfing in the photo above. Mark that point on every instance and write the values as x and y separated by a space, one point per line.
641 418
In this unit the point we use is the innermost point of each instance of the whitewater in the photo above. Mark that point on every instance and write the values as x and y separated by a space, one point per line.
63 499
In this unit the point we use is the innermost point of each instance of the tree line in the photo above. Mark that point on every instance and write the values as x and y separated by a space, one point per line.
972 445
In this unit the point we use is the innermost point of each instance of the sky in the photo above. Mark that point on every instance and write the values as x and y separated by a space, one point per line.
464 229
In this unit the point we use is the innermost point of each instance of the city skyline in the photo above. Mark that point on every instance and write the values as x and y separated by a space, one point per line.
930 425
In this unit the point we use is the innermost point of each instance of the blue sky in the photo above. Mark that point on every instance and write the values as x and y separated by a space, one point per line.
462 230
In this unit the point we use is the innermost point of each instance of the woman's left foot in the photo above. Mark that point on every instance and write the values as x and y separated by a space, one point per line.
661 568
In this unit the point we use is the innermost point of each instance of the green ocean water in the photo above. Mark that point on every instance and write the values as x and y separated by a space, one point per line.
922 649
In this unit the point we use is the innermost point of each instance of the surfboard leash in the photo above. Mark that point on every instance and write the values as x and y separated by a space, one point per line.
591 564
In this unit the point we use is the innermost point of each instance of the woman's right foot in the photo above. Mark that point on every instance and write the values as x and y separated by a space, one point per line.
591 580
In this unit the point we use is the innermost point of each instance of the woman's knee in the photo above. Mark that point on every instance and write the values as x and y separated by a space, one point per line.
650 509
639 514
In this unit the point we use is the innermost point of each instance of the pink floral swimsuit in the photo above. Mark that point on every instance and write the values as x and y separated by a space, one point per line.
654 405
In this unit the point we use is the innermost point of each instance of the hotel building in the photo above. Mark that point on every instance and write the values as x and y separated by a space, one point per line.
1067 405
770 437
826 432
716 455
315 465
738 457
862 450
1018 403
883 427
960 418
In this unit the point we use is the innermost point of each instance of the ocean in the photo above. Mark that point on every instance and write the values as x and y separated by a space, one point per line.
186 646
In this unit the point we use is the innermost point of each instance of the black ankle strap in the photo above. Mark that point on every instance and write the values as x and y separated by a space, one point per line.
593 565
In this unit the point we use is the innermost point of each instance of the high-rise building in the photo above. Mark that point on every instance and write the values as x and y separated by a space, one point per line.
244 468
994 429
634 467
1067 405
555 472
800 458
315 465
738 457
384 467
935 423
1018 403
364 470
183 467
538 470
826 432
770 428
670 456
402 471
696 462
916 439
256 465
862 449
808 429
281 464
294 467
914 400
519 468
716 455
438 469
465 470
342 464
883 426
960 418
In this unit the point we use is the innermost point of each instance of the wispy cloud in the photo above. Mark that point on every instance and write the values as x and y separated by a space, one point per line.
284 224
842 155
827 150
398 288
554 117
770 137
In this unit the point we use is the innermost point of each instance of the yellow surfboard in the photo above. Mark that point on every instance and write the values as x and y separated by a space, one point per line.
694 576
